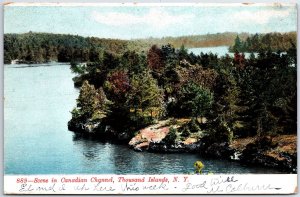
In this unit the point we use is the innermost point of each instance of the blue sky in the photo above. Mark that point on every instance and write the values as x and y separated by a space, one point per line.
132 21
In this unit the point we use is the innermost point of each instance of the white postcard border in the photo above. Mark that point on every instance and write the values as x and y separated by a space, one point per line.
151 184
287 182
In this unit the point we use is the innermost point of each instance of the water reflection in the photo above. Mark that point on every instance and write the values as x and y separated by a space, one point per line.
107 158
119 159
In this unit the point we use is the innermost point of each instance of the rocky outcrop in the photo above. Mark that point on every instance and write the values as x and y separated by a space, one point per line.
89 128
162 147
154 133
178 147
269 152
151 139
96 130
76 126
277 152
219 151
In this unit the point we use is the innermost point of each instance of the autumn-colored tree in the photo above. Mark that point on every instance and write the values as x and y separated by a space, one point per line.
239 60
203 77
118 82
155 58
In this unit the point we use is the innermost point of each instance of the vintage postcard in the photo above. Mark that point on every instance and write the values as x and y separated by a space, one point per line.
137 98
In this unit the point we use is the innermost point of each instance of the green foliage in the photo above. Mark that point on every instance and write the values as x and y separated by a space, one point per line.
45 47
145 95
238 45
264 83
238 96
171 136
183 53
135 63
226 97
190 127
110 60
219 131
91 103
173 121
265 42
129 83
193 125
194 100
198 167
76 114
78 68
185 131
193 41
267 124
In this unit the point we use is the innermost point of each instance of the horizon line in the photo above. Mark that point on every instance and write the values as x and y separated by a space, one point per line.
150 37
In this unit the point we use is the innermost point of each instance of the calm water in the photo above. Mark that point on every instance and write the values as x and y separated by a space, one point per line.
38 101
220 51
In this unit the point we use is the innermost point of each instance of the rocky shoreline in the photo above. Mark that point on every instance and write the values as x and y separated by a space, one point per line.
265 151
279 155
274 152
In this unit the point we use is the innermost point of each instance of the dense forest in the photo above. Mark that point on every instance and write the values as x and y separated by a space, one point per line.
275 42
124 84
196 41
237 97
204 99
45 47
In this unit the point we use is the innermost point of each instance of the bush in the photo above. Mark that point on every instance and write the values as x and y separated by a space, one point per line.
171 136
190 127
194 100
185 132
193 126
198 167
219 131
173 121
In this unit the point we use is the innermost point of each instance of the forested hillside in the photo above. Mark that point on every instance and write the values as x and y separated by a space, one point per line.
275 42
195 41
43 47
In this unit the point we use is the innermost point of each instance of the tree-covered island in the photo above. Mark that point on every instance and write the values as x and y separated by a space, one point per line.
161 98
170 100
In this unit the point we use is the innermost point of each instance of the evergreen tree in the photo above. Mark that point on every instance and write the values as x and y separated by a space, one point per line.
171 136
145 95
92 104
194 100
238 46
